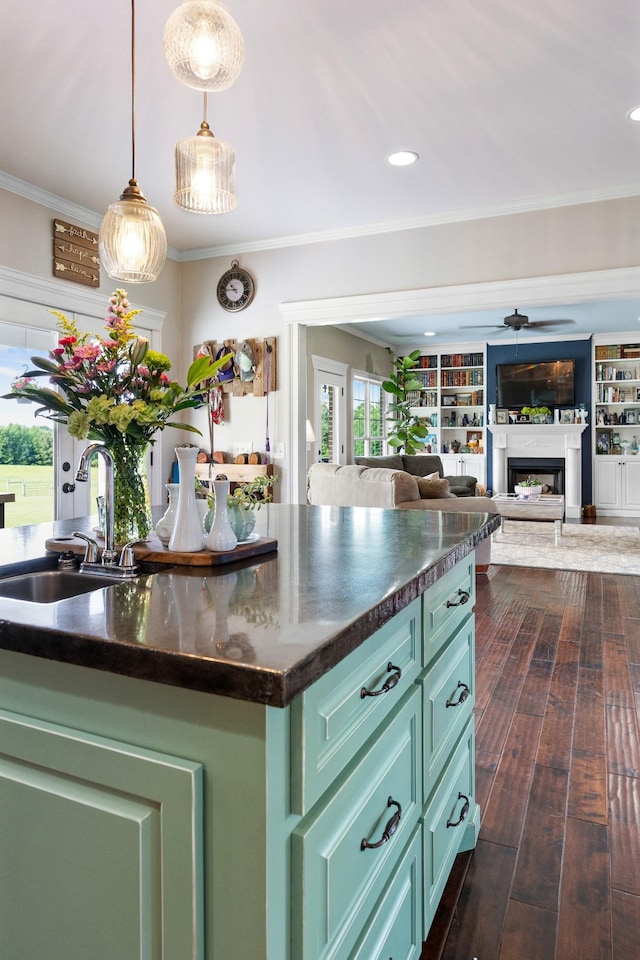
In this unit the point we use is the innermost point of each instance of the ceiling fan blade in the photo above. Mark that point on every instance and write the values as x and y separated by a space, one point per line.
548 323
481 326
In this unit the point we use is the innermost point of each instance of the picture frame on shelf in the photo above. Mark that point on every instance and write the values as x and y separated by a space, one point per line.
632 417
637 394
513 416
448 400
603 442
502 415
524 418
567 416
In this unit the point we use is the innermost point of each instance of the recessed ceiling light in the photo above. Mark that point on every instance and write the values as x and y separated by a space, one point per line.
429 333
403 158
634 114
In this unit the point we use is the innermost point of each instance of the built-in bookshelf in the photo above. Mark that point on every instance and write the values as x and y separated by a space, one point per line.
616 426
452 400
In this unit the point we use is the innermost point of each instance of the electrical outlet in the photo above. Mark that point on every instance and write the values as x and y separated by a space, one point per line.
278 451
245 447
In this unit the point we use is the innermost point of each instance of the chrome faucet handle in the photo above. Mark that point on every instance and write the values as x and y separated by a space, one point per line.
91 550
126 557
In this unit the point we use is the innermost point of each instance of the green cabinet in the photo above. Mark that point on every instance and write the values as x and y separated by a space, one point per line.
148 822
101 845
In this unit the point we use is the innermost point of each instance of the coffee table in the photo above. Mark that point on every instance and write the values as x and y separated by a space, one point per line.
545 507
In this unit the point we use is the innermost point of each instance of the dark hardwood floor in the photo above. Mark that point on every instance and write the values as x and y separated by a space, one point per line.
556 873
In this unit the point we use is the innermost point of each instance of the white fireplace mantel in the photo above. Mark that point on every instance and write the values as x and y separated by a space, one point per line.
545 441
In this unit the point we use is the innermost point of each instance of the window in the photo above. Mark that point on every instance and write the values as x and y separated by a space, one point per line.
329 424
368 416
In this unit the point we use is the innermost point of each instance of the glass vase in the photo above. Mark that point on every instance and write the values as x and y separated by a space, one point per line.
131 505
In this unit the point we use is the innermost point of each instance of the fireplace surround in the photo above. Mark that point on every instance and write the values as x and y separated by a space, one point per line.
540 442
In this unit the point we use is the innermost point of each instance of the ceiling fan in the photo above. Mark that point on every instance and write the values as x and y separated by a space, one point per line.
518 321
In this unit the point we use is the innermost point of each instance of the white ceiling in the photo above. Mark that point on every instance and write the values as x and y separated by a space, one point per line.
507 103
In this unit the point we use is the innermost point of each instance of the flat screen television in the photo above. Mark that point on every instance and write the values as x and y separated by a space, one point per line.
549 383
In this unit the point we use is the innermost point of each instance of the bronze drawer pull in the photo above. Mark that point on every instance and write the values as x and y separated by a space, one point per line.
463 696
463 812
389 684
463 595
389 830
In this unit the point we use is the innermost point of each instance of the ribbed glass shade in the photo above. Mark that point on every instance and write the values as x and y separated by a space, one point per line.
132 241
203 45
205 174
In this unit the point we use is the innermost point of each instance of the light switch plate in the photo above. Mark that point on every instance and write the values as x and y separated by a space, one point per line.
278 451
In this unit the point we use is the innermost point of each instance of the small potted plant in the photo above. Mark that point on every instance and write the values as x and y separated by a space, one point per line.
538 414
242 503
528 489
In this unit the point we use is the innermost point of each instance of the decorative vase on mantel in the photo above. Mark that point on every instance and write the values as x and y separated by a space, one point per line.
131 504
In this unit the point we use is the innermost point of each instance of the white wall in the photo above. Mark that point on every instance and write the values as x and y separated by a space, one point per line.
588 237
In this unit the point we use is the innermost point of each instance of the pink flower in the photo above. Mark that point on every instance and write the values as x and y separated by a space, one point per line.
89 352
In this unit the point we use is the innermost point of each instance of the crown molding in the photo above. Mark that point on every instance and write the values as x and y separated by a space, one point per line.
64 296
509 208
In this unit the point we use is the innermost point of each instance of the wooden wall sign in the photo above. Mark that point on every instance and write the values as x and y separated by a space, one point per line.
258 386
75 254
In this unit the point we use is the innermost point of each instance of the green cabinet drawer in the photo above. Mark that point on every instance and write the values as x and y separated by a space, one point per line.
448 698
446 821
447 603
332 720
395 927
337 882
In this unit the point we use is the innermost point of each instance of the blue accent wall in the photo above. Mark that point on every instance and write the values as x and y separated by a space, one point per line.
580 351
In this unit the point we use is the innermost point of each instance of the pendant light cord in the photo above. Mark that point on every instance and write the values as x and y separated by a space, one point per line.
133 89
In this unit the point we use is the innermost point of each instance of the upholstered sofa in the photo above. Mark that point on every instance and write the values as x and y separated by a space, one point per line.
354 485
422 465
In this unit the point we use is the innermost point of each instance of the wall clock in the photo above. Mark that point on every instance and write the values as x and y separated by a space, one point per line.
236 288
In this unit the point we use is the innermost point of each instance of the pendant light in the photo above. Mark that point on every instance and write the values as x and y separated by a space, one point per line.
205 172
133 244
203 45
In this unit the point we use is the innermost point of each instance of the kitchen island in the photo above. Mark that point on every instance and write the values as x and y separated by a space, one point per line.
270 759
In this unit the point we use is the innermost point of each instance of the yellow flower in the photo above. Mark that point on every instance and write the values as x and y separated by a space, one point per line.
78 424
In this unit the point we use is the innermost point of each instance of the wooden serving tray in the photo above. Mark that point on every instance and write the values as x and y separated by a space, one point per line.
153 550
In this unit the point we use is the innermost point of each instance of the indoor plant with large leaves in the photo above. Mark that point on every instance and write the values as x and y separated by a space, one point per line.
408 432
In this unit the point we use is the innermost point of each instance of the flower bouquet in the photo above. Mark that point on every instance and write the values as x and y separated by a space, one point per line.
114 389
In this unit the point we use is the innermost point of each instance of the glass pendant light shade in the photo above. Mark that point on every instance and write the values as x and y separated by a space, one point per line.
203 45
132 241
205 173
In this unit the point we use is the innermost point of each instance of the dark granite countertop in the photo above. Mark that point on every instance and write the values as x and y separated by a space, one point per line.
260 630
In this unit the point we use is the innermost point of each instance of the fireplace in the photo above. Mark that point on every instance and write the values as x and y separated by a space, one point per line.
549 470
534 443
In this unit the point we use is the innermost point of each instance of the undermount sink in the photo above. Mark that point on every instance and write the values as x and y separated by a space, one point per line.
23 582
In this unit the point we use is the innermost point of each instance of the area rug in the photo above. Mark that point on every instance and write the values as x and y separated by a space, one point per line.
588 547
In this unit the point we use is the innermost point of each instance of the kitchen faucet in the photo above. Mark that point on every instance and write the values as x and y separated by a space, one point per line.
109 554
